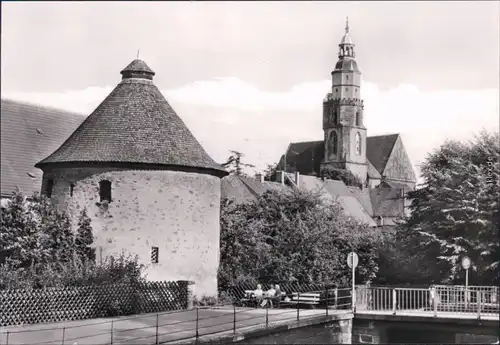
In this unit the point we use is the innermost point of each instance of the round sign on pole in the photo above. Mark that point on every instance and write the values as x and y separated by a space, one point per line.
352 260
466 263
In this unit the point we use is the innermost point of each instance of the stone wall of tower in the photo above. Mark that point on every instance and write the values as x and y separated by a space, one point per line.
175 211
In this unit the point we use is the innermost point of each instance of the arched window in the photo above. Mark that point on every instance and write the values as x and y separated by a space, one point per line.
358 143
105 190
358 119
333 143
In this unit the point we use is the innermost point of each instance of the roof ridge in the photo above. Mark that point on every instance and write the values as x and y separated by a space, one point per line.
39 105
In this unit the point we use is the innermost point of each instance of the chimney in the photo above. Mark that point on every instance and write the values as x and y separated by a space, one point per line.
259 177
297 178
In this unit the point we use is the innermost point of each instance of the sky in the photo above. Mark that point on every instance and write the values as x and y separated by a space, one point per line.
251 76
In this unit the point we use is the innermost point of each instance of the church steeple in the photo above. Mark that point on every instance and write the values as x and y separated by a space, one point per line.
346 47
345 133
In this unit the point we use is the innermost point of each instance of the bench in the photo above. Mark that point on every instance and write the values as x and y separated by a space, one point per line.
311 298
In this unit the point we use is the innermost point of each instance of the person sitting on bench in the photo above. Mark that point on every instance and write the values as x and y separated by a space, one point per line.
269 296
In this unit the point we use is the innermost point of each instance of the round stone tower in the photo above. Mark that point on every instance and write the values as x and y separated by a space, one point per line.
148 186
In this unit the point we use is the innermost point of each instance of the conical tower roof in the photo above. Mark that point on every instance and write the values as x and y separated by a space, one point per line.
134 125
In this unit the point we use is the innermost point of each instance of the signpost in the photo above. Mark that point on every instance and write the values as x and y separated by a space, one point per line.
465 265
352 262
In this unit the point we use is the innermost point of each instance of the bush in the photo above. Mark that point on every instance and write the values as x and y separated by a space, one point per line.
292 236
343 175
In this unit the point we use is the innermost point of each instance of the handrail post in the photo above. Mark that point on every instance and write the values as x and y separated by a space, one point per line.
197 318
434 300
267 314
7 338
157 342
478 304
63 334
394 301
298 302
112 332
326 299
234 318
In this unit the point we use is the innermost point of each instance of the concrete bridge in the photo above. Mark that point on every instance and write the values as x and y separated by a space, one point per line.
440 314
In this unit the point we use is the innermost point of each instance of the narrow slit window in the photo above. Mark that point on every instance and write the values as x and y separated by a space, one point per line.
154 255
105 191
71 189
49 187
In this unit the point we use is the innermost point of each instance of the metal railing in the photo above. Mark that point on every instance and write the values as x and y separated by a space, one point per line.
439 300
187 326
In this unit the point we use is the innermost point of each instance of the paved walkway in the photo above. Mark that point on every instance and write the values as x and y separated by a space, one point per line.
173 327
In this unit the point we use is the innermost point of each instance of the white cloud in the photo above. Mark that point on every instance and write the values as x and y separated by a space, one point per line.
230 114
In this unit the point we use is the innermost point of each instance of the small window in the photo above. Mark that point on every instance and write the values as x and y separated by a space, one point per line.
358 118
49 187
154 255
105 190
346 89
346 77
355 90
71 189
336 90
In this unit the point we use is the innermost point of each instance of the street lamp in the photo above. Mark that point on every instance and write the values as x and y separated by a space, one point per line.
465 265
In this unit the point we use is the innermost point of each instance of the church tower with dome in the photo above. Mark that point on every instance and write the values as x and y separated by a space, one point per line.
344 130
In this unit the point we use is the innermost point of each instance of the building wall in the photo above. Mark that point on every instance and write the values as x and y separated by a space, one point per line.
175 211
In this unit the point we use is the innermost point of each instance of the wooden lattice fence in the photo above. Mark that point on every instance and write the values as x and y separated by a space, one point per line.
77 303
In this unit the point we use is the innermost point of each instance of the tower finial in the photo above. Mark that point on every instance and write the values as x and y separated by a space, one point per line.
138 50
347 25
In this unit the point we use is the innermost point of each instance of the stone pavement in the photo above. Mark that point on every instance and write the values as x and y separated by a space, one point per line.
173 327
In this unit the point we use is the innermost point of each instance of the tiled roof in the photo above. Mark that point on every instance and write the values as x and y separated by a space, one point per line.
363 196
28 134
338 190
372 172
378 150
134 124
301 147
244 189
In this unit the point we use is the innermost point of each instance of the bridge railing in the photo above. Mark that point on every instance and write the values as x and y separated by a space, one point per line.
436 300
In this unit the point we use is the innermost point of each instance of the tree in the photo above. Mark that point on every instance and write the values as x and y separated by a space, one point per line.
234 164
343 175
455 213
84 238
294 236
19 238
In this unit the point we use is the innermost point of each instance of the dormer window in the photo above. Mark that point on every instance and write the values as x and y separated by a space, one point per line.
105 191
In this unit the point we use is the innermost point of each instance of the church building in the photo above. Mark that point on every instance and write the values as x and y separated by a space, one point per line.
380 162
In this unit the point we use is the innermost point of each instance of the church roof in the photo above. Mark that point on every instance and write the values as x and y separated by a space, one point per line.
378 150
136 125
28 134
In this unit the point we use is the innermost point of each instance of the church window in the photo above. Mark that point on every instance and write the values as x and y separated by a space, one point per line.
358 143
105 190
154 255
358 119
335 116
333 143
48 188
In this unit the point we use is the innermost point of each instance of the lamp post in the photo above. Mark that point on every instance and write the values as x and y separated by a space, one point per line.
465 265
